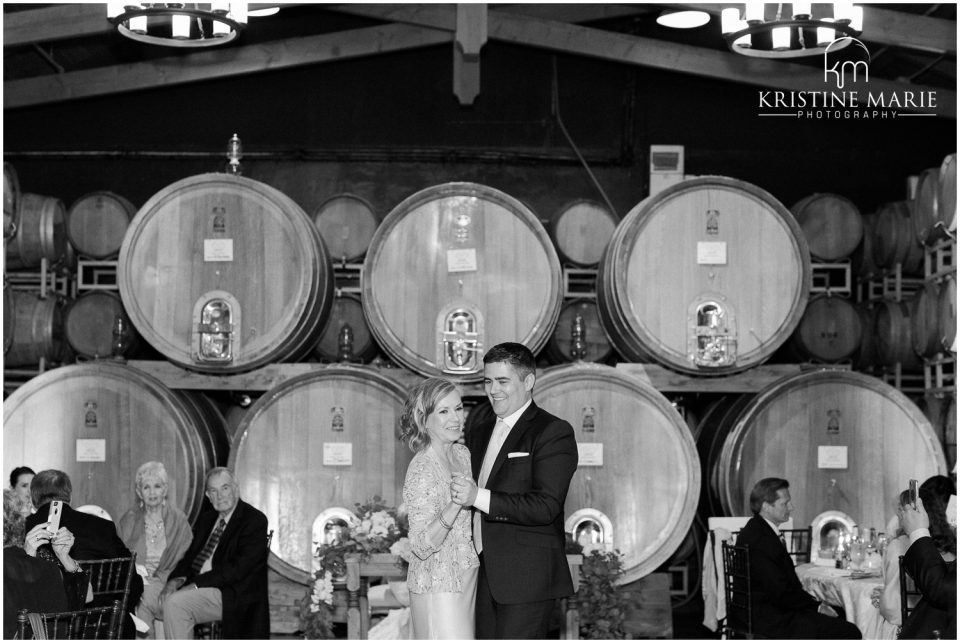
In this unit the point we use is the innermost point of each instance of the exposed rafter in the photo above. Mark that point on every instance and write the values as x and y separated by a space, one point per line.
647 52
237 61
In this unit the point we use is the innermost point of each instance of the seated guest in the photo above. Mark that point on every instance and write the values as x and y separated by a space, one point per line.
95 538
20 479
32 583
935 616
159 534
223 575
781 607
935 492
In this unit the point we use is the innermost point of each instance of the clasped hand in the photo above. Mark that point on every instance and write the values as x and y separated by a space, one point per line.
463 490
61 540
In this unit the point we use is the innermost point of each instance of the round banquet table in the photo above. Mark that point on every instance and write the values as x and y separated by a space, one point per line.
837 588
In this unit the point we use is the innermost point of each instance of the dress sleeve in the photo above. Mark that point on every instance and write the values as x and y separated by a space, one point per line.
890 596
421 493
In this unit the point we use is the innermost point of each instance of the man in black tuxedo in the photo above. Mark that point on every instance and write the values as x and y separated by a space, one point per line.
94 537
935 616
523 461
781 607
223 576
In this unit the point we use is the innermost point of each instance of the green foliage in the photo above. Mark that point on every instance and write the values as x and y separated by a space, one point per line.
602 607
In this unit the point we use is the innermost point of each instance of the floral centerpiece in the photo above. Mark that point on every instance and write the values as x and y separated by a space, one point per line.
378 529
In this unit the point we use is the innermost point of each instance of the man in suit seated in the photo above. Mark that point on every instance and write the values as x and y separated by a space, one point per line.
94 537
781 607
223 575
935 616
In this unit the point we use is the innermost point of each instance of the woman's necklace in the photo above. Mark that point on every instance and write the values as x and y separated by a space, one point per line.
153 529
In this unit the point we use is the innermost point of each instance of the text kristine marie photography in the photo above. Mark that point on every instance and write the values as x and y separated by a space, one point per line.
836 102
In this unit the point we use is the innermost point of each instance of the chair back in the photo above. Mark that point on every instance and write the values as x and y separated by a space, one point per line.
110 577
95 623
799 544
737 590
909 594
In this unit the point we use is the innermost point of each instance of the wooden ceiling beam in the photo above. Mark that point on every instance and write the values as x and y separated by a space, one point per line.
222 63
646 52
55 23
882 26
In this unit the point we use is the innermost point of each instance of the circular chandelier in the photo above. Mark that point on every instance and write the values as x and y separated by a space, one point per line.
178 24
793 35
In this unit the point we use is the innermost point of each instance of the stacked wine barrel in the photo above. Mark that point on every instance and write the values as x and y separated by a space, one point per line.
222 275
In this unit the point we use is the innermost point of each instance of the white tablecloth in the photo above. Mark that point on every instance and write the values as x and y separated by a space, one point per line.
836 587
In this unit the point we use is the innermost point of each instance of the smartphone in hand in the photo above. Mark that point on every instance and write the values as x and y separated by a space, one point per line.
53 518
914 492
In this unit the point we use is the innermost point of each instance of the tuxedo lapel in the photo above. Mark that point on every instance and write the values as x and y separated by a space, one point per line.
513 439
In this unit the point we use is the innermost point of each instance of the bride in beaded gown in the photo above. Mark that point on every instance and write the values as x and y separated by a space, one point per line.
442 576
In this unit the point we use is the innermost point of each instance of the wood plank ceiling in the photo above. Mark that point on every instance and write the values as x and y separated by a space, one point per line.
55 53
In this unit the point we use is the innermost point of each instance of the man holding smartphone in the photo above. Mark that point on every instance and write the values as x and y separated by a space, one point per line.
94 537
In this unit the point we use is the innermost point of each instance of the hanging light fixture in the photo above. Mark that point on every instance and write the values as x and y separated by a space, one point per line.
178 24
793 34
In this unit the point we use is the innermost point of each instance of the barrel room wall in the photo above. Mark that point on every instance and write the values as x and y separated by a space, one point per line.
386 126
359 101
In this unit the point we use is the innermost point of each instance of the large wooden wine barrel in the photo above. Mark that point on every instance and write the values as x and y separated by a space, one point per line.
595 346
37 329
845 441
831 224
947 200
867 354
711 432
861 260
924 209
40 232
97 222
455 269
90 322
709 276
925 330
647 481
11 199
829 330
894 240
221 273
948 312
99 421
347 223
347 310
581 231
321 440
894 335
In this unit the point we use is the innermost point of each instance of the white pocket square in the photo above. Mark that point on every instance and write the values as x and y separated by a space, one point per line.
518 454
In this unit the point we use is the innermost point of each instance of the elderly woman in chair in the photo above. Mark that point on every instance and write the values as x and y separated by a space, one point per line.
159 534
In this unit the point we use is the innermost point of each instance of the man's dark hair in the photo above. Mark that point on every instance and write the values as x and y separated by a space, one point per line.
19 471
517 355
766 490
48 485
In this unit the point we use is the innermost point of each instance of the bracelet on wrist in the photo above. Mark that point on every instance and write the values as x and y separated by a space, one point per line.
444 523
